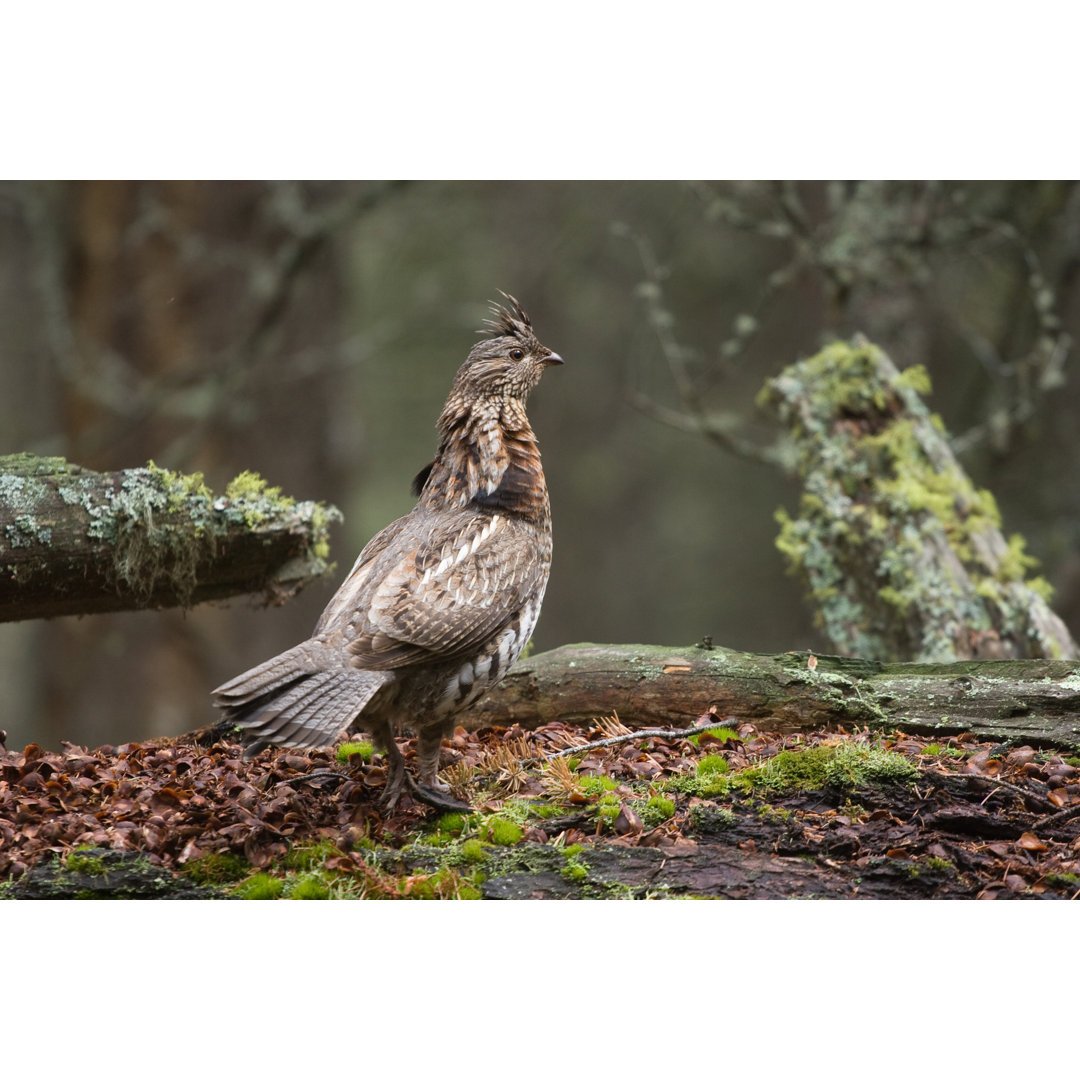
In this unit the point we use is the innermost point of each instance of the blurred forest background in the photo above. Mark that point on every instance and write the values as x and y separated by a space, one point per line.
310 331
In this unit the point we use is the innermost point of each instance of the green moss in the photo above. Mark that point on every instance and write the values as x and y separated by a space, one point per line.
932 862
916 379
309 886
1015 561
937 750
472 851
256 499
895 598
89 873
250 485
844 764
23 464
711 819
500 830
710 786
519 811
86 860
712 765
597 785
218 868
321 519
310 856
444 884
363 750
259 887
1062 881
657 810
880 495
179 487
855 811
608 807
575 872
450 825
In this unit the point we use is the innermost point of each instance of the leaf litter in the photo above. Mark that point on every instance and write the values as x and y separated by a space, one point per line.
736 812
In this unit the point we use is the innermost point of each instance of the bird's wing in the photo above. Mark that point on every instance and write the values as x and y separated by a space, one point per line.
440 600
348 602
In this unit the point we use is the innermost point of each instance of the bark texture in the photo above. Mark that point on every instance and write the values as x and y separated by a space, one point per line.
1034 701
78 542
903 556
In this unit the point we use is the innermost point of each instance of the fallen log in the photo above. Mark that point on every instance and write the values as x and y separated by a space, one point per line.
1032 701
78 542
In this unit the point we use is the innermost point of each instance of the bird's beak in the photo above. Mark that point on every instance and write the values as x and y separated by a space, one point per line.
553 358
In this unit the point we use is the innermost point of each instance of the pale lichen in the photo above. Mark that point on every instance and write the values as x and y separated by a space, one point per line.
902 554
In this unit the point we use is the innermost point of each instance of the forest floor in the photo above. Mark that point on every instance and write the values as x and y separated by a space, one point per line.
728 813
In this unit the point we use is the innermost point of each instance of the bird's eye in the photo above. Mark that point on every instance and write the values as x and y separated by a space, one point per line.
517 354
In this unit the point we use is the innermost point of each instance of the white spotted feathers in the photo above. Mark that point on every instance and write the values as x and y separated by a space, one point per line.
441 602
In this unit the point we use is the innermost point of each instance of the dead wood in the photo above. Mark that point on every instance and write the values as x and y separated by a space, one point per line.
78 542
903 557
1035 701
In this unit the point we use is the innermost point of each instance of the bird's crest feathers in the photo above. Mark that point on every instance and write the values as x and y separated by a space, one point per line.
508 321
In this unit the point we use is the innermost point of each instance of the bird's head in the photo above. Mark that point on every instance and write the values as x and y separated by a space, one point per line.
509 361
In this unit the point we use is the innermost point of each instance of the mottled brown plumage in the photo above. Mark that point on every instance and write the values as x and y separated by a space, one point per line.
442 601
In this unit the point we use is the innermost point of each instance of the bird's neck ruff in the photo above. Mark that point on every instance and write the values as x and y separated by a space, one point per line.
488 457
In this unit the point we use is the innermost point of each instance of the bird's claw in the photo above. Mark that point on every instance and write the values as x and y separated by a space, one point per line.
438 799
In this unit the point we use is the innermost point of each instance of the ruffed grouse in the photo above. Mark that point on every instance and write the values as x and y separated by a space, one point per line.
442 601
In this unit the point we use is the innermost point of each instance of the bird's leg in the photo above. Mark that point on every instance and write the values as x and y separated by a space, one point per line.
396 776
434 793
430 789
428 745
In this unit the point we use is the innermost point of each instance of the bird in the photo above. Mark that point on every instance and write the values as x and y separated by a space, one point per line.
439 604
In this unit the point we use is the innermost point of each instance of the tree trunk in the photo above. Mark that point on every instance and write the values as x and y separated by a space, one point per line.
904 558
77 542
1033 701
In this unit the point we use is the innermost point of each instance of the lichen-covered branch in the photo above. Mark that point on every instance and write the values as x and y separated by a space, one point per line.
904 557
1034 701
77 542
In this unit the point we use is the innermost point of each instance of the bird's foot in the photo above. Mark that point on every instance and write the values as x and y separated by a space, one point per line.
395 784
436 794
430 789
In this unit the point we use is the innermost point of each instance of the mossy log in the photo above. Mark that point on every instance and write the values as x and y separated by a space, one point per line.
903 556
78 542
1032 701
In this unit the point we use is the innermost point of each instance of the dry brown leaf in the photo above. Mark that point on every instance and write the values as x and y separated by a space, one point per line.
628 822
1030 842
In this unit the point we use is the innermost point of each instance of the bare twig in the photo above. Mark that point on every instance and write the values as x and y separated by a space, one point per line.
632 736
1057 819
710 427
1028 796
692 416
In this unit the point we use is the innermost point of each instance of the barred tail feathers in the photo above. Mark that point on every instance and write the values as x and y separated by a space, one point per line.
294 700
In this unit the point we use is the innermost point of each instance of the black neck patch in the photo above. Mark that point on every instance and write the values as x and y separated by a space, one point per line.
421 478
516 492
